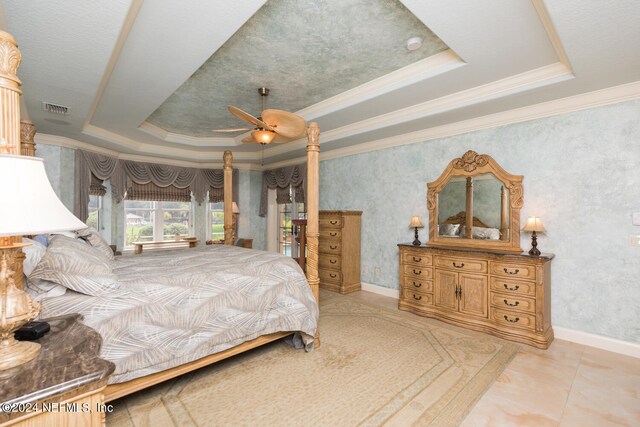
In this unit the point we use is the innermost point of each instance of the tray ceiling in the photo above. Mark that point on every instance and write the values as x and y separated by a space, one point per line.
151 79
305 51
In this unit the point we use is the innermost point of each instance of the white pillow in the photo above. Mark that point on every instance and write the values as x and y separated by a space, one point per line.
33 254
39 289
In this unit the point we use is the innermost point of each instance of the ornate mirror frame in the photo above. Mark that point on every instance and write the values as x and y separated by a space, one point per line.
470 165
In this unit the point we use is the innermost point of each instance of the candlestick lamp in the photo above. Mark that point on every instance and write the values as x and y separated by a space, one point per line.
534 225
416 223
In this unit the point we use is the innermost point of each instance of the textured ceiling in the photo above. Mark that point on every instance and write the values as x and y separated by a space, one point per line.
305 51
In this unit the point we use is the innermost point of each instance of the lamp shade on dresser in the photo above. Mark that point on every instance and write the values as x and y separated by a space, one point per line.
339 260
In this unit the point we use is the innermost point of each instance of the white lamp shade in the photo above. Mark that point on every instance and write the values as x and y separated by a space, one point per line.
534 224
28 204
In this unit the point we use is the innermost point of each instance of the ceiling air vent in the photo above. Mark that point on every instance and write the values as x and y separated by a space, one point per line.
54 108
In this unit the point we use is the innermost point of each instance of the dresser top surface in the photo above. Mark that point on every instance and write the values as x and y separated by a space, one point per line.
523 255
340 213
68 360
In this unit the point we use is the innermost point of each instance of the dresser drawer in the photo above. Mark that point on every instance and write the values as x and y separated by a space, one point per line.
330 222
330 261
513 319
461 264
417 272
515 271
508 286
416 258
518 303
331 234
330 247
330 275
414 284
417 298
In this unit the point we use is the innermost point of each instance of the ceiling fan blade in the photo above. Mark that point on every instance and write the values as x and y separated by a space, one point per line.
285 123
232 130
280 139
248 117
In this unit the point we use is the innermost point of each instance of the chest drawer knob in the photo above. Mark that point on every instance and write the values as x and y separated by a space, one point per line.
417 284
509 320
458 266
417 271
517 303
516 271
333 275
515 288
333 234
333 261
333 246
333 222
417 259
418 298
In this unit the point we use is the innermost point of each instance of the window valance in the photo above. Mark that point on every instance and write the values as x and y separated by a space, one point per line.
124 173
286 181
153 192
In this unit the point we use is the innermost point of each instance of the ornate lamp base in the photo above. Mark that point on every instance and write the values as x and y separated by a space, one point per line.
534 251
416 242
14 353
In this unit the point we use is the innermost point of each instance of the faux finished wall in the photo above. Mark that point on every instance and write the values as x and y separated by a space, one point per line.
581 176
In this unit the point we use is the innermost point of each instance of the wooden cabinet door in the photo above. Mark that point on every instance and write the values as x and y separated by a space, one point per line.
445 290
474 298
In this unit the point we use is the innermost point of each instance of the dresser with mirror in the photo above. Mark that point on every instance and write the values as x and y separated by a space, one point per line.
473 272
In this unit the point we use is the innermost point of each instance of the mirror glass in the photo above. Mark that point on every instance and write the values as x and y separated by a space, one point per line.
489 203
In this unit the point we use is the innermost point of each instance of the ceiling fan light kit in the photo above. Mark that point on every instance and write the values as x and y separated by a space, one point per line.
271 125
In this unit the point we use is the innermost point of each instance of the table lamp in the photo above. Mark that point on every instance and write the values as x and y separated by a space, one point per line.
416 223
534 225
28 205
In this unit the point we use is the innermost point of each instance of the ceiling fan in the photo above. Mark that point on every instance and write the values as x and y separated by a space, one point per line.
271 126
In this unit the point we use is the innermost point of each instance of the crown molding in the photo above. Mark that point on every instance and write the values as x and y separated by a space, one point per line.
426 68
532 79
179 138
550 29
585 101
62 141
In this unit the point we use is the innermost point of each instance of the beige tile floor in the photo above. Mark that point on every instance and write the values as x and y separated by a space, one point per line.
567 385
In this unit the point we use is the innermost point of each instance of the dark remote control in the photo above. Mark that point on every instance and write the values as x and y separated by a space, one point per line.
32 331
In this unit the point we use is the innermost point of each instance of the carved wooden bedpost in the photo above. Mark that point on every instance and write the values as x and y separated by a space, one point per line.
10 92
27 138
228 198
313 202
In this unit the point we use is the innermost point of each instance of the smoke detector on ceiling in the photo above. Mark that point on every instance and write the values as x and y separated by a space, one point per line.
55 108
414 43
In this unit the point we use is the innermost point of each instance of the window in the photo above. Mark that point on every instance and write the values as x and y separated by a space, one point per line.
286 213
216 220
148 221
95 209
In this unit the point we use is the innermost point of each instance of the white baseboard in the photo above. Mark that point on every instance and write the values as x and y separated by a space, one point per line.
579 337
598 341
380 290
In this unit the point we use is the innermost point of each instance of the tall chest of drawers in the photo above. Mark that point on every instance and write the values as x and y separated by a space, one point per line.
504 295
339 247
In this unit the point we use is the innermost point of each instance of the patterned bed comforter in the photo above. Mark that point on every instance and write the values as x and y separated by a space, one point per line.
169 308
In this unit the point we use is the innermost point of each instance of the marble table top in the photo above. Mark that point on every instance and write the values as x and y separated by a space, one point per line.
68 363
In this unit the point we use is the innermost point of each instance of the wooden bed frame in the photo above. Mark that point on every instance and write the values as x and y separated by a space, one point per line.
116 391
20 140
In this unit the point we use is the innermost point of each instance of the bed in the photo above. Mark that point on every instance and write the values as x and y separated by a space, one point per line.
167 313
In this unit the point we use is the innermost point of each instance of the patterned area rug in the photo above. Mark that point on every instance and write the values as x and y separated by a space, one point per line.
375 366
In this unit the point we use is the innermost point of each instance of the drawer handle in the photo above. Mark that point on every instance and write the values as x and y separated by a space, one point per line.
332 275
333 222
517 303
333 234
417 272
333 246
418 298
511 272
417 259
458 266
417 285
515 288
333 261
509 320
